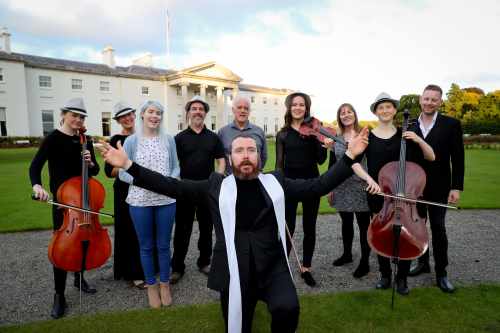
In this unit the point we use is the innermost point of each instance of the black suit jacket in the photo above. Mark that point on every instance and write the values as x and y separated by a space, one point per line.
447 171
208 191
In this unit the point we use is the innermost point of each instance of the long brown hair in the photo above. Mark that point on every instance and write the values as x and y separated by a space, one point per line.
356 123
288 104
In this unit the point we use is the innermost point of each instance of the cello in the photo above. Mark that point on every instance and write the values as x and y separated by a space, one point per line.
81 243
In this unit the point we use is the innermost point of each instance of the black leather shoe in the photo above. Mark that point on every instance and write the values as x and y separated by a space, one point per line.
402 287
361 270
59 306
383 283
308 278
421 267
85 286
342 260
445 285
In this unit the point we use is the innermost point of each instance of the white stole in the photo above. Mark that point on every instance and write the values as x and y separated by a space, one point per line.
227 208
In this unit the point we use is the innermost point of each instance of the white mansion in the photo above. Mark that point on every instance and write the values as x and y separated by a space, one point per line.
33 88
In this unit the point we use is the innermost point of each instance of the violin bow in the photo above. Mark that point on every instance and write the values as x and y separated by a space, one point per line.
52 202
400 197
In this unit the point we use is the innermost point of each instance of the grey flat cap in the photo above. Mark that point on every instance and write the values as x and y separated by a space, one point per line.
75 105
383 97
121 109
197 99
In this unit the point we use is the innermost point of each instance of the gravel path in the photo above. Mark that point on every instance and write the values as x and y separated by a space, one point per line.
27 288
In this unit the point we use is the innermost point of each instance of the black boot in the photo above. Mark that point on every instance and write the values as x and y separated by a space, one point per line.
402 287
84 285
59 306
343 259
362 269
383 283
308 278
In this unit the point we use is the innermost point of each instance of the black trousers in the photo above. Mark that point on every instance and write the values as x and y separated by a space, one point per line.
437 216
59 274
363 220
281 299
309 215
183 228
386 271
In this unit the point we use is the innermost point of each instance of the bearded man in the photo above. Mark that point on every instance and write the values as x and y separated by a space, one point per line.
248 210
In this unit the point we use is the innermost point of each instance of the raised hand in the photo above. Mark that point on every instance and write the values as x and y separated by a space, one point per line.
359 143
117 157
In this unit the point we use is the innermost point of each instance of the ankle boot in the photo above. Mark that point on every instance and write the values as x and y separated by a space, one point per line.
362 269
343 259
165 294
59 306
84 285
154 296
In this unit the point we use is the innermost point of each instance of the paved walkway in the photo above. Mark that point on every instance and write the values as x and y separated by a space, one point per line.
27 289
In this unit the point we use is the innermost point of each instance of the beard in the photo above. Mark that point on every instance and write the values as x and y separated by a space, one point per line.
238 173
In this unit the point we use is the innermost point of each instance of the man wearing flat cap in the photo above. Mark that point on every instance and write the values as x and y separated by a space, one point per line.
197 149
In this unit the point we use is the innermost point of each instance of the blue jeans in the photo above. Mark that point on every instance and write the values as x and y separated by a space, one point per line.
145 219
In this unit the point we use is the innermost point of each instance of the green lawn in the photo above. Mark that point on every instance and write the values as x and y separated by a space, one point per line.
470 309
19 212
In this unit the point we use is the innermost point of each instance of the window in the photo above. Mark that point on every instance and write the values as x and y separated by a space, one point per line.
275 101
264 100
180 124
253 120
265 125
214 123
179 91
76 84
1 75
47 121
106 123
210 95
44 81
104 86
276 124
3 122
231 98
145 91
252 99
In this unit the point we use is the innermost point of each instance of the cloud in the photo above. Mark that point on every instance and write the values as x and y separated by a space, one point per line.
338 50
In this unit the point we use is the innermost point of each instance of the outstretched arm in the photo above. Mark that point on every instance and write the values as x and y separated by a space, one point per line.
308 188
151 180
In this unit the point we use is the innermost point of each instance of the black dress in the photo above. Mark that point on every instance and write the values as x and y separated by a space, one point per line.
298 157
127 260
378 153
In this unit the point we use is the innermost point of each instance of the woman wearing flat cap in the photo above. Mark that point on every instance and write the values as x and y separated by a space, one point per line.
62 149
384 146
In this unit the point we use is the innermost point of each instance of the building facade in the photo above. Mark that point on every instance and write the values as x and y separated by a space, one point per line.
33 89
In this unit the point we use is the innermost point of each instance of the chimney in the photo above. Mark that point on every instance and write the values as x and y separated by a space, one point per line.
145 61
108 56
5 40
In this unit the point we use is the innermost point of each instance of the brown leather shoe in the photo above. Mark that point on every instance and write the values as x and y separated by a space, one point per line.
175 277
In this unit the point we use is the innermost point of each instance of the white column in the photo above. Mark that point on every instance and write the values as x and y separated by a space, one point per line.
220 107
184 93
203 91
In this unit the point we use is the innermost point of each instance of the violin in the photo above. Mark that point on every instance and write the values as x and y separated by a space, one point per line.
313 127
81 243
398 231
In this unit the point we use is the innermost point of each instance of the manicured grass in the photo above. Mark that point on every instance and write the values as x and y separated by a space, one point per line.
470 309
19 212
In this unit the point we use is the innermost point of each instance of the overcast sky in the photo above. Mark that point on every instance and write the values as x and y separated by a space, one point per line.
337 50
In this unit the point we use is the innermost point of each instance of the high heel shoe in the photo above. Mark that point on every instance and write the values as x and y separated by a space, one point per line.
154 296
165 294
